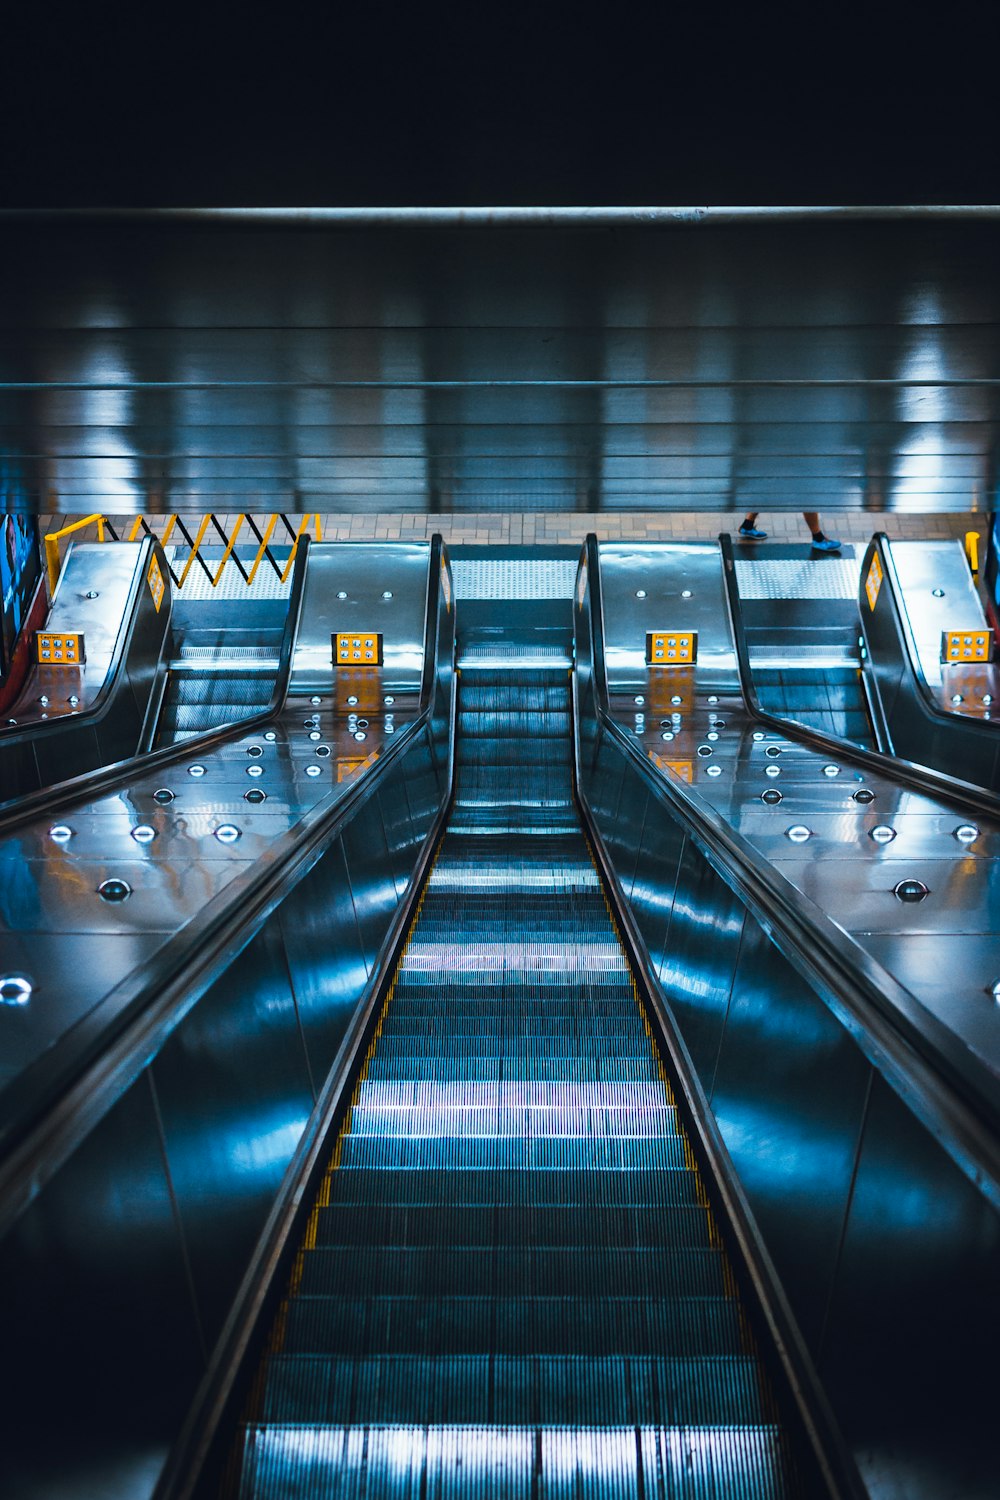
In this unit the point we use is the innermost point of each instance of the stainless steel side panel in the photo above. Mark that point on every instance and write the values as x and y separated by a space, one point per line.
937 593
888 1251
683 590
364 574
94 588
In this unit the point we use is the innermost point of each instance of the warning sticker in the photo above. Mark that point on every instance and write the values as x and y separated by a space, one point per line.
873 582
156 586
681 768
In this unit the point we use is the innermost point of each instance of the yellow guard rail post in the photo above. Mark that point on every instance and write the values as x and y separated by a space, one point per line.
52 544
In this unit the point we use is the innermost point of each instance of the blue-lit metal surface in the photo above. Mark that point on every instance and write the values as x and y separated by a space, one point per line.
506 1256
937 593
346 589
53 884
843 870
885 1233
69 720
125 1252
915 697
689 596
94 591
549 362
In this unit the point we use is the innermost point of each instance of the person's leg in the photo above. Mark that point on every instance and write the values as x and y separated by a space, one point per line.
820 542
748 530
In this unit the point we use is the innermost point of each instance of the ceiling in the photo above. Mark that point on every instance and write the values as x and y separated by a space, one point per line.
499 360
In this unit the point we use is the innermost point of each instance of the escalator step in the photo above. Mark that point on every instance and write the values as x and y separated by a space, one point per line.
338 1270
512 1284
552 1389
642 1226
469 1462
602 1324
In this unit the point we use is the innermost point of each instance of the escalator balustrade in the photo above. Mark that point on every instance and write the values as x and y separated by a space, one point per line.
512 1281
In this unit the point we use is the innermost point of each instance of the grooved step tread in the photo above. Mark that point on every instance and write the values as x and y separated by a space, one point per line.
512 1282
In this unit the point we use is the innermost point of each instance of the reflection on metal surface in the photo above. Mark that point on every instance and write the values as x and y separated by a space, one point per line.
156 848
852 864
683 595
15 989
114 890
939 597
886 1243
910 890
90 601
398 619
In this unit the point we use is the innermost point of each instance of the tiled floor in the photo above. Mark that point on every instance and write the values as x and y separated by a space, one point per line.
530 528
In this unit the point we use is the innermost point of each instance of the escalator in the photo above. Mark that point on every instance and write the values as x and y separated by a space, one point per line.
158 669
935 712
800 617
826 946
225 663
513 1280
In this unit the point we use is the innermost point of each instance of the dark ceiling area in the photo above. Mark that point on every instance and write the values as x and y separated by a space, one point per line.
548 362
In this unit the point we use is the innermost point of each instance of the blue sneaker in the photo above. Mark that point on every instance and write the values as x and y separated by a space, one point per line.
752 534
828 544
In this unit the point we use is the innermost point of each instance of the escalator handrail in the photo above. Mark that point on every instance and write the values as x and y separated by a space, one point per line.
820 1427
99 708
217 1399
66 1095
929 783
928 705
883 1017
105 779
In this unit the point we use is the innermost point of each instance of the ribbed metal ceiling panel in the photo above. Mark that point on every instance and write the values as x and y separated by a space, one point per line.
165 363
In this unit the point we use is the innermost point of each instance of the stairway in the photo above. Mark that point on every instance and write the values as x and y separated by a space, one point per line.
511 1283
220 672
800 615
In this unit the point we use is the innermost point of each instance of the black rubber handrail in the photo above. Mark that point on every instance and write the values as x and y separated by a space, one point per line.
216 1406
97 711
221 1394
962 794
53 1105
837 1467
934 710
918 1057
102 779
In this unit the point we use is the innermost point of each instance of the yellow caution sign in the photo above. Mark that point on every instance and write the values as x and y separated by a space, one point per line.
965 645
671 648
63 650
157 588
681 768
357 648
873 582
